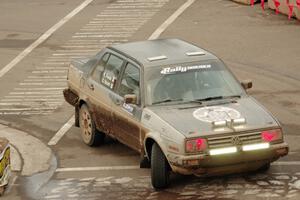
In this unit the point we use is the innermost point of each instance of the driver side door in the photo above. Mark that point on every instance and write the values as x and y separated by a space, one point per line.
126 117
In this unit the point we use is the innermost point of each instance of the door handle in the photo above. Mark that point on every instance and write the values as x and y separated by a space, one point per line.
118 102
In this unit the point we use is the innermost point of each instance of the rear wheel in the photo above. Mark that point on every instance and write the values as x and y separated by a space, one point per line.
89 134
160 172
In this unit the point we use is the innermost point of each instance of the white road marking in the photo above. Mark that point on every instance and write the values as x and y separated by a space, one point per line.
43 38
45 80
102 32
81 46
32 99
286 163
35 96
27 109
78 50
46 92
102 36
43 84
158 31
72 53
40 89
54 77
108 168
48 71
170 20
104 168
62 131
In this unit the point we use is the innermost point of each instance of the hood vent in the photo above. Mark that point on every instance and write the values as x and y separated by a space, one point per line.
157 58
195 53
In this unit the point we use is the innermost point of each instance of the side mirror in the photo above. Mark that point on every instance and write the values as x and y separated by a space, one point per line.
130 99
247 84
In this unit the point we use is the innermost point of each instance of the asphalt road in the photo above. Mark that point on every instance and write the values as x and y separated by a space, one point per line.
255 45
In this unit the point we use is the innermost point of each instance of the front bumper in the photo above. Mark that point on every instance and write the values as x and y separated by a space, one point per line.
227 163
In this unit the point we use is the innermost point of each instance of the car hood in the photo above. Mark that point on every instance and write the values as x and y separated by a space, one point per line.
194 121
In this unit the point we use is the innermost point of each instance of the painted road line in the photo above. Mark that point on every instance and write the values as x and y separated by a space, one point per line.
155 35
170 20
45 80
104 168
51 77
62 131
46 92
43 84
43 38
108 168
28 109
31 100
35 96
286 163
40 89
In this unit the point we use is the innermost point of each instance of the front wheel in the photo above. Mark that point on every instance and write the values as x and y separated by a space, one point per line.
89 133
160 173
265 167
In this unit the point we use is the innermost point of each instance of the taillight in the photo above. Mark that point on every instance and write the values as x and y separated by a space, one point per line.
271 135
196 145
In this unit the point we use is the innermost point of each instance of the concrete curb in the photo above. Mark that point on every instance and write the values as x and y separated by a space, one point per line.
29 155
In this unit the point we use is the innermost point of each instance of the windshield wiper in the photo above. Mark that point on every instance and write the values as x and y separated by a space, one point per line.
166 101
215 98
208 99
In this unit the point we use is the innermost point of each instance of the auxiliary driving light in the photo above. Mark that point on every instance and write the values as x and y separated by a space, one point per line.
195 145
271 135
220 151
252 147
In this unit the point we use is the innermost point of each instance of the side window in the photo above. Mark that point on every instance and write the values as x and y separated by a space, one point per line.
96 74
111 71
130 83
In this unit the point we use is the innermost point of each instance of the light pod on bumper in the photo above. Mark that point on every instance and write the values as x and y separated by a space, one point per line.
221 151
252 147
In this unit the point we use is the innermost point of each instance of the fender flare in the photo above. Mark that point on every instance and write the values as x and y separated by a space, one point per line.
148 142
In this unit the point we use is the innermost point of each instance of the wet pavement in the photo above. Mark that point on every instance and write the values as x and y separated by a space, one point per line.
256 45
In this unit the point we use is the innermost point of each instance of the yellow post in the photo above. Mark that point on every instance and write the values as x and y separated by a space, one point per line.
4 163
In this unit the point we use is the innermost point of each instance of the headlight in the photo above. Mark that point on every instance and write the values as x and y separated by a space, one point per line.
195 145
271 135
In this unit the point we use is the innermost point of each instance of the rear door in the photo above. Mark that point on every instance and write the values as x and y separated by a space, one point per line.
101 85
126 117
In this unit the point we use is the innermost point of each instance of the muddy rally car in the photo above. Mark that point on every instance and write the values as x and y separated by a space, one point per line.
177 105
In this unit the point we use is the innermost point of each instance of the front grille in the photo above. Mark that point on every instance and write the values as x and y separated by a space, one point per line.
226 141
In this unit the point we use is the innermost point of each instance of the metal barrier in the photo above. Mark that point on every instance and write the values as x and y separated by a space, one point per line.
291 8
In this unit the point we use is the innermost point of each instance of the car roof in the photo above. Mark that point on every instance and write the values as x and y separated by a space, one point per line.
161 52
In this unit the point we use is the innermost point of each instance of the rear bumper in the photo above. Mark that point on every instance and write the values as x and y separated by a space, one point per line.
227 163
70 97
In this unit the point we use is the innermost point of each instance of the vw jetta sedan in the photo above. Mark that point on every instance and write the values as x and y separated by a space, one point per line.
176 104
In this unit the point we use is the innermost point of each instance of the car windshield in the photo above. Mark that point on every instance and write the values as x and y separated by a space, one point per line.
190 82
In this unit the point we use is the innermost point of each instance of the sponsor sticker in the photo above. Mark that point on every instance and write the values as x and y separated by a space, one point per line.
216 113
108 80
182 69
128 108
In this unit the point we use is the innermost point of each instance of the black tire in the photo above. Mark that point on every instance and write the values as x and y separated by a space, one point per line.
145 162
88 131
265 167
160 172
